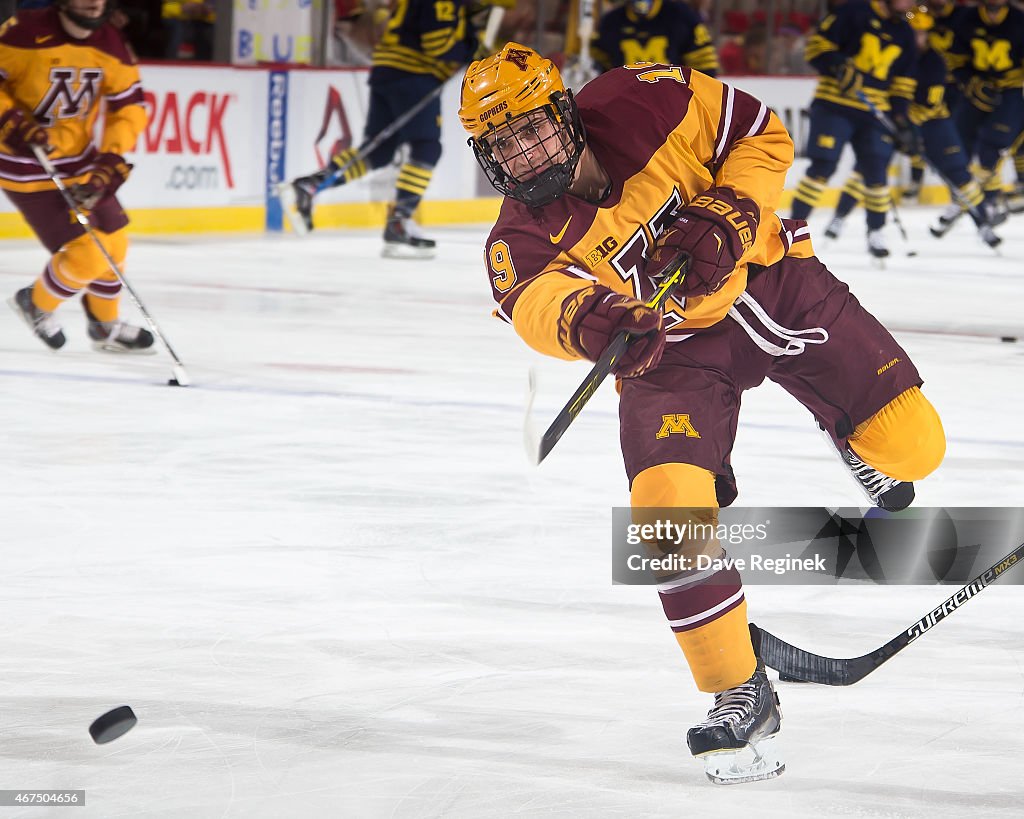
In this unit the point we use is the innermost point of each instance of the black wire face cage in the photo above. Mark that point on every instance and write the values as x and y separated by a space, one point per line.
550 162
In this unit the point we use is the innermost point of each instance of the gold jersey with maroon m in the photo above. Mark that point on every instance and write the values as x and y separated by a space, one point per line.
61 81
697 133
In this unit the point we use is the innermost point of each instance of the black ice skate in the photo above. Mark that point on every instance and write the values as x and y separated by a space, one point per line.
912 191
877 245
118 337
883 491
947 219
835 227
43 324
996 210
297 200
403 240
737 741
988 236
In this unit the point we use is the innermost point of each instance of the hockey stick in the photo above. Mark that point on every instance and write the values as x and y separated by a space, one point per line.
613 352
372 144
803 665
899 224
180 377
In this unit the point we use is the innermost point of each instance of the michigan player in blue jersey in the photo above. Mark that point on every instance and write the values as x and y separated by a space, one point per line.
987 60
864 53
937 137
654 31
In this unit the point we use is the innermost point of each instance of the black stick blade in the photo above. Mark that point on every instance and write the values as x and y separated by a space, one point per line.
795 662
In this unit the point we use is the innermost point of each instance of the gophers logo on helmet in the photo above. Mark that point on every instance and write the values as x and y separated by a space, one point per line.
490 112
518 57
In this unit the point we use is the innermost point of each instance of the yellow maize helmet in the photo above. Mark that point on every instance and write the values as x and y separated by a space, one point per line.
920 18
496 91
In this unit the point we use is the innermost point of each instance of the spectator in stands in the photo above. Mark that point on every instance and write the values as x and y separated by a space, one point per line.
189 27
140 22
744 53
354 33
789 46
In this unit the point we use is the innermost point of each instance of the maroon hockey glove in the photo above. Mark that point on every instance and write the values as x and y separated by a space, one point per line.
107 173
20 132
714 230
593 317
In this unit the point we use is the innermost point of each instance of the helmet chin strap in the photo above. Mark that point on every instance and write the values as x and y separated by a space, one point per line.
90 23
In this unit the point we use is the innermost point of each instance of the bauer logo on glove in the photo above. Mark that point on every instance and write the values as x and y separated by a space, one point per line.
734 217
713 232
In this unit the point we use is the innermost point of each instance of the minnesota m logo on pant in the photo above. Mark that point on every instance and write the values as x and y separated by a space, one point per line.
676 424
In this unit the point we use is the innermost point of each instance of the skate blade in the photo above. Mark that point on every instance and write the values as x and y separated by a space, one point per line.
286 193
396 250
120 349
752 763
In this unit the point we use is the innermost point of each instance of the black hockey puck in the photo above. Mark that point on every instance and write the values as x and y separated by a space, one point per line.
112 725
1009 339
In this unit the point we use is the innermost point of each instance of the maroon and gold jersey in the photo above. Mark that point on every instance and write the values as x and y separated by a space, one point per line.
62 81
664 134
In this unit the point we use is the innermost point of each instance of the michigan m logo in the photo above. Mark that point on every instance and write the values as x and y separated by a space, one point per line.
67 98
676 424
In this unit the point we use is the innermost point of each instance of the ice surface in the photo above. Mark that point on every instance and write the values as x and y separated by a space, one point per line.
329 584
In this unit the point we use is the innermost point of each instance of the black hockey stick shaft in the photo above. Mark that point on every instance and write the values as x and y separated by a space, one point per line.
378 139
804 665
613 352
178 369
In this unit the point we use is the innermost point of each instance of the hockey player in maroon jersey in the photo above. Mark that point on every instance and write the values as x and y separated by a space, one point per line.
57 66
603 192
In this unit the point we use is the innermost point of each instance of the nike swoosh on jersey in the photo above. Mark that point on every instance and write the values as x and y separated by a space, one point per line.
555 239
43 38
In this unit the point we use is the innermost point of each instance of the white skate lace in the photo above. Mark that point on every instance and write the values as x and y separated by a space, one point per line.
874 482
125 333
46 324
732 705
795 343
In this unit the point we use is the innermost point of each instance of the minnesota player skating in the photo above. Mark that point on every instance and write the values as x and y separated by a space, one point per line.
57 66
603 192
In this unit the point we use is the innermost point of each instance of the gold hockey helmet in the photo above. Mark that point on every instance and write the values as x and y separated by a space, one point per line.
503 86
525 127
